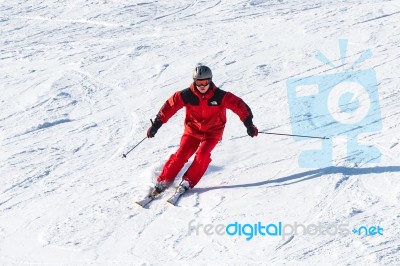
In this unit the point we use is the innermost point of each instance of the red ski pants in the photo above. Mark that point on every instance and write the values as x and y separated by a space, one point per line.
188 146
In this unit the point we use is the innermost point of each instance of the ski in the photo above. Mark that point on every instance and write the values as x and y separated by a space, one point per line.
158 189
142 203
180 190
174 199
152 195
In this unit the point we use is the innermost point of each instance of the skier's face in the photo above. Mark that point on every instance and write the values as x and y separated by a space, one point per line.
202 85
203 89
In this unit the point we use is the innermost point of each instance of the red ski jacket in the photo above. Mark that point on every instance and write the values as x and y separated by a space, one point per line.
205 113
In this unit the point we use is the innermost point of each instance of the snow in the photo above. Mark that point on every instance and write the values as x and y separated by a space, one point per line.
80 81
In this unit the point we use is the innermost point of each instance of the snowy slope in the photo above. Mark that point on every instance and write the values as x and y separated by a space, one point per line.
81 79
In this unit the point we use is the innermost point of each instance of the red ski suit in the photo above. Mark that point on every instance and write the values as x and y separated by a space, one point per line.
204 126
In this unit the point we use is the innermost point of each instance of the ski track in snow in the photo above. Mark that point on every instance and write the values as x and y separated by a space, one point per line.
80 81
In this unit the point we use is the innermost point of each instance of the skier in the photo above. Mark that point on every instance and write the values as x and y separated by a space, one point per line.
205 121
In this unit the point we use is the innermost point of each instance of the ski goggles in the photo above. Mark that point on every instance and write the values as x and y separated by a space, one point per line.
202 82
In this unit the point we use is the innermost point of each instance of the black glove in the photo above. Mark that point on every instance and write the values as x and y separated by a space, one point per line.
252 130
151 132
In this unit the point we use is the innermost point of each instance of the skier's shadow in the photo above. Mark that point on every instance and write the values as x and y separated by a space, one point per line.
300 177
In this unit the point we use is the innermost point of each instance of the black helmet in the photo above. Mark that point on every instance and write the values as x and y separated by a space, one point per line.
202 72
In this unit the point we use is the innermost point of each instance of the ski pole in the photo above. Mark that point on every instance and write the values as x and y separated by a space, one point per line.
125 154
303 136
